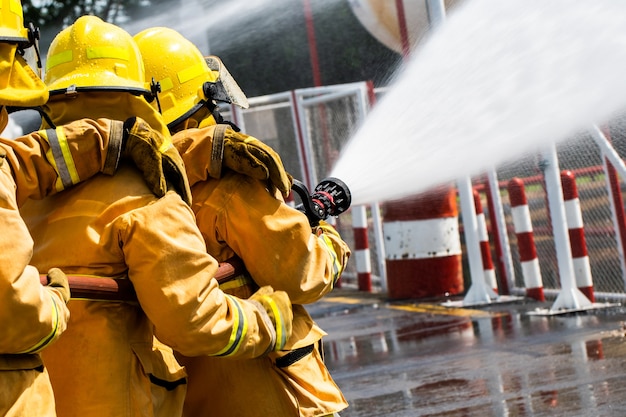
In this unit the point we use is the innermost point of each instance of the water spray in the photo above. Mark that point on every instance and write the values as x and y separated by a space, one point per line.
331 197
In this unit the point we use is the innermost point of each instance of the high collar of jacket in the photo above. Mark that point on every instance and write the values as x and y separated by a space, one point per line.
109 105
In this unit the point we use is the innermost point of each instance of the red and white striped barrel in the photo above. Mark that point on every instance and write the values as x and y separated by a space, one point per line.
423 245
573 214
361 248
485 249
525 240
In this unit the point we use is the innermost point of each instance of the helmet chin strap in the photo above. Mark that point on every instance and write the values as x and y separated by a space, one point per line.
215 112
33 41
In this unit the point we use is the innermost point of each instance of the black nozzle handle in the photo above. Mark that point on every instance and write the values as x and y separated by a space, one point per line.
331 197
312 211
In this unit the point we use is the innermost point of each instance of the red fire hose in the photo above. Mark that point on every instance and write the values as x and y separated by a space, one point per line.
98 288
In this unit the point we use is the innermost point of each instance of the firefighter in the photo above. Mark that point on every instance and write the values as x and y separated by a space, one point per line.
242 216
107 362
34 316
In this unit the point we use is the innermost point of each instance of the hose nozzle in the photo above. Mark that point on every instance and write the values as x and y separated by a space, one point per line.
331 197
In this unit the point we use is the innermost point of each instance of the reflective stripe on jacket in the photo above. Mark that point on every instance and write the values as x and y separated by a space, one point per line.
51 160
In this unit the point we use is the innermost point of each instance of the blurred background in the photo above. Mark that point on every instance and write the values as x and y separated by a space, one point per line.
265 44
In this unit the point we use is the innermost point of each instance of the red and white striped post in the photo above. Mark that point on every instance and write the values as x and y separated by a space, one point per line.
573 214
525 240
485 249
361 248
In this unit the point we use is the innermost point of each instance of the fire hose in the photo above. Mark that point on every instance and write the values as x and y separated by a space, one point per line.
330 197
121 289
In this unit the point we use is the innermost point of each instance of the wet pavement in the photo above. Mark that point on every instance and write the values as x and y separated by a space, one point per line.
421 358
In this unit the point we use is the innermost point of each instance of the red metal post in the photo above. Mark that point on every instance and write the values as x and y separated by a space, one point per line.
404 33
310 31
618 202
362 248
525 240
580 258
485 248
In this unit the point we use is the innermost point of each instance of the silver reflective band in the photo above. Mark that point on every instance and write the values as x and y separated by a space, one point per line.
57 153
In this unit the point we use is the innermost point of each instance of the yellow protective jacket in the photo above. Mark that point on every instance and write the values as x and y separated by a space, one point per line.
238 216
32 316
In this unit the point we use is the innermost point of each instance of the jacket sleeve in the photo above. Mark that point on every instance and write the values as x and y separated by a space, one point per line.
195 147
274 240
31 316
173 278
50 160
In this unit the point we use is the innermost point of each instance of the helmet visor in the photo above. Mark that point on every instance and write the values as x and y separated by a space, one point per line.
32 58
225 88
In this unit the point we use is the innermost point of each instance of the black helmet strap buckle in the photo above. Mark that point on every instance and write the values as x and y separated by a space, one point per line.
155 89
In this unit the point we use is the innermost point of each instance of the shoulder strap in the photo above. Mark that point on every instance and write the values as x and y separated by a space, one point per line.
217 151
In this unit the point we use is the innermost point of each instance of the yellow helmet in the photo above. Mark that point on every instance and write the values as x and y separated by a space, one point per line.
180 69
12 28
186 79
92 55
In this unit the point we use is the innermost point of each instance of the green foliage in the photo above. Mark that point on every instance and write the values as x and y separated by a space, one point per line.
60 13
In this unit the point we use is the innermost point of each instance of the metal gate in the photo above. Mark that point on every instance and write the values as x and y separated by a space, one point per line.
308 128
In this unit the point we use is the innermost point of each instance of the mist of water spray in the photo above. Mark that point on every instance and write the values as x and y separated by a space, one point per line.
228 21
497 80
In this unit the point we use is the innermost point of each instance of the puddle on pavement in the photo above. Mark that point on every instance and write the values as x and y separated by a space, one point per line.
391 362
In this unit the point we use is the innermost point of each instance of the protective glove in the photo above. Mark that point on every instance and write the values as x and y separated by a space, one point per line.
325 227
175 173
278 308
57 281
156 158
249 156
141 144
339 250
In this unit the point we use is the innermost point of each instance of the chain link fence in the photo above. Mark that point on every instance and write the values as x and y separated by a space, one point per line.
580 155
310 127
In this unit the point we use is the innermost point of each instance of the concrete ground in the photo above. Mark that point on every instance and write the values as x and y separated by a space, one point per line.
425 358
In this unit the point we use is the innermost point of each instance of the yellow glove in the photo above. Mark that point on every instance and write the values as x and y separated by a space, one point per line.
57 281
338 249
325 227
249 156
174 171
156 158
141 145
278 308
